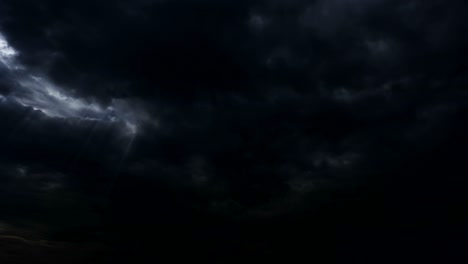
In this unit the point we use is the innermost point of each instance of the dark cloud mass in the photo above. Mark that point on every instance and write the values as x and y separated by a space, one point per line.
227 128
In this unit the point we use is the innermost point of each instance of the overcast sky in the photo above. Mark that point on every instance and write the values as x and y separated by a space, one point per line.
248 124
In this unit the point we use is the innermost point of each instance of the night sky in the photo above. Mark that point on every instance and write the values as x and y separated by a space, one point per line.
233 129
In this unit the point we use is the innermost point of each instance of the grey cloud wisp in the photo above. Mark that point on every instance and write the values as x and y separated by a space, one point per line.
38 92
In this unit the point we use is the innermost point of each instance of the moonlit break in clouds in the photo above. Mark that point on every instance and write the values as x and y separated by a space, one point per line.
41 94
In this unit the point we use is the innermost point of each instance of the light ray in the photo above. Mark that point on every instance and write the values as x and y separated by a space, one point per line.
22 125
83 150
116 175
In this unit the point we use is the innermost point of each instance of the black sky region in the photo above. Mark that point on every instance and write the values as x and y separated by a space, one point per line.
331 129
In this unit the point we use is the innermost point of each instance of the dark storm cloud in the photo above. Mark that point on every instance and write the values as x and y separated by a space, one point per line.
156 48
248 108
243 84
31 138
55 172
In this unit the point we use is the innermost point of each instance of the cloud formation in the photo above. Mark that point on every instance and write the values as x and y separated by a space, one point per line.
234 113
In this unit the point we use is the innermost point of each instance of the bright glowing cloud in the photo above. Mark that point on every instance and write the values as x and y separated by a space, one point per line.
41 94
